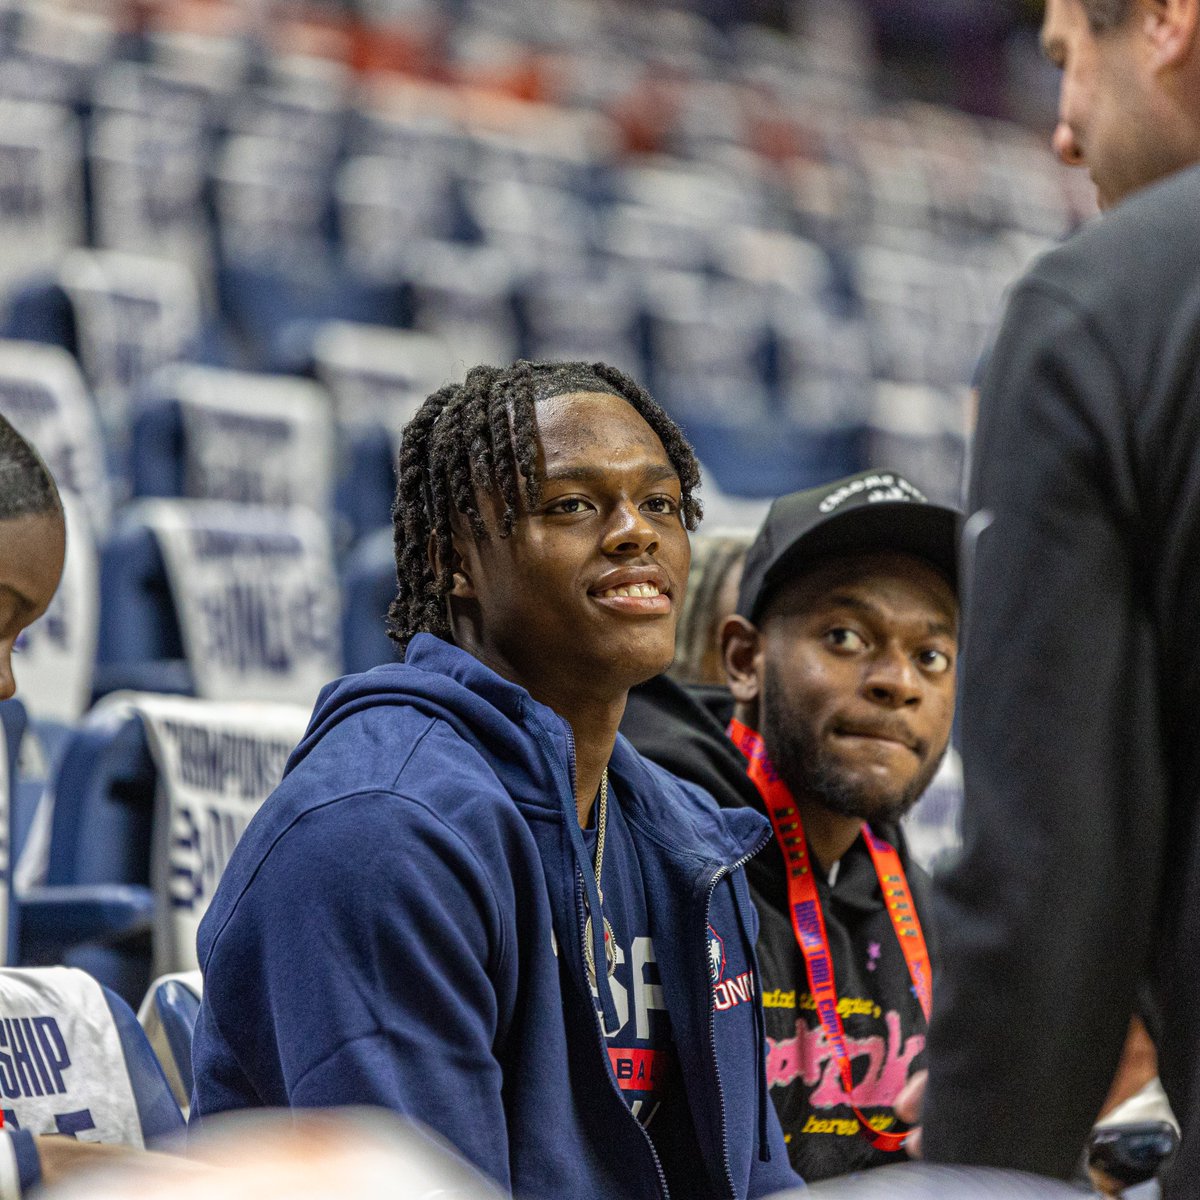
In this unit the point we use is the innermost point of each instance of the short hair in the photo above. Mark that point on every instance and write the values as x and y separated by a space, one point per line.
1106 14
479 437
26 486
712 560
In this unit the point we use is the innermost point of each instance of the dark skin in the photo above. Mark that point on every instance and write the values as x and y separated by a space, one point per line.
857 657
32 551
580 603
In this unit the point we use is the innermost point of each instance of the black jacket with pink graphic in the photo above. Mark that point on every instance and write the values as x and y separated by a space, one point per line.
882 1020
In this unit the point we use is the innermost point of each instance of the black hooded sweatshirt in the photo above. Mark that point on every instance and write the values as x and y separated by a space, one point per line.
684 730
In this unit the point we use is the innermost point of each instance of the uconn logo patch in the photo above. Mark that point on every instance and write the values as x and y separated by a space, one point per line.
727 993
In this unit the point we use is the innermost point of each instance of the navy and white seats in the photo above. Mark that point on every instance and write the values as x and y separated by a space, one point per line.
75 1062
219 600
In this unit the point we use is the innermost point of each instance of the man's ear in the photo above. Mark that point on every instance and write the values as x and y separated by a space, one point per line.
741 655
1170 28
462 585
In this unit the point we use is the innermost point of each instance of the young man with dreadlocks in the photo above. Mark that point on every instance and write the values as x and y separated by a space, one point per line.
471 901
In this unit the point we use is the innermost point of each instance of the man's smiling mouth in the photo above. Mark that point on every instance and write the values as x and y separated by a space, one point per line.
641 590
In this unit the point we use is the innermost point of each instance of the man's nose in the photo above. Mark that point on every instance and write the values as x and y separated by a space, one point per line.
630 531
1066 145
893 680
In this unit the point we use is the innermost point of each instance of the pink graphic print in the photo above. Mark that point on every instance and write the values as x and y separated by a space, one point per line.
807 1056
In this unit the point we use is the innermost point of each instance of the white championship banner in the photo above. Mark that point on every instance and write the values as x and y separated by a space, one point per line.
257 596
55 657
216 763
376 375
41 204
62 1069
42 394
132 316
254 439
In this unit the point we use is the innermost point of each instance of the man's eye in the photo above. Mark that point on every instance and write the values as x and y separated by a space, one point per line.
845 639
568 505
936 662
661 504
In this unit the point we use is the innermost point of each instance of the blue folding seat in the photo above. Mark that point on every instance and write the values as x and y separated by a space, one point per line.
377 379
140 643
95 908
150 799
168 1015
207 434
123 316
368 588
224 601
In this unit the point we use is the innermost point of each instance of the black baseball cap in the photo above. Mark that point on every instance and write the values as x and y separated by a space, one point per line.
874 510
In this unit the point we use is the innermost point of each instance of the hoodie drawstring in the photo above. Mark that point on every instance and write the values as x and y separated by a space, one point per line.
760 1033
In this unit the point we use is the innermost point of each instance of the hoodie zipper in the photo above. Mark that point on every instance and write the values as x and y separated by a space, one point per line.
712 1019
662 1178
581 925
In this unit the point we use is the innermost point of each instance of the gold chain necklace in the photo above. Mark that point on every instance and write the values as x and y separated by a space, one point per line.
610 953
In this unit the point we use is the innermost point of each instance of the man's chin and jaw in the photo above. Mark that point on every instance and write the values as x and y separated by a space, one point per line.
863 778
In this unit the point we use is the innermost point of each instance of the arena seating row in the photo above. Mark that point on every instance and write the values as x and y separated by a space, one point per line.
232 270
778 246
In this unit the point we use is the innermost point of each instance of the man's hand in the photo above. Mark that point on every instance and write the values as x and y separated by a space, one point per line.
908 1109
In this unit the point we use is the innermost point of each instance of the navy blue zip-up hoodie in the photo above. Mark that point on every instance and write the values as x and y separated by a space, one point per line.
402 925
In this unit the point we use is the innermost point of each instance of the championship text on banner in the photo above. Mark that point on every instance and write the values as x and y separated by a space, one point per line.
254 439
42 394
379 376
216 763
132 316
62 1069
257 597
55 656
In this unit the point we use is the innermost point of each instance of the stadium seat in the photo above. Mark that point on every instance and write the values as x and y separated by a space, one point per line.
140 646
42 214
378 378
150 798
220 600
13 721
121 315
168 1015
99 1078
95 908
207 434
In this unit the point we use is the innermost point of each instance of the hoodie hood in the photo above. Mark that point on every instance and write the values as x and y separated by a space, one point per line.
528 745
531 749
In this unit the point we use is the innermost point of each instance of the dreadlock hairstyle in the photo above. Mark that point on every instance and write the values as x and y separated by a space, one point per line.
26 486
479 437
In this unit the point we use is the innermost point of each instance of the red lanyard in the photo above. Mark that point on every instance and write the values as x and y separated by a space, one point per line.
808 922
